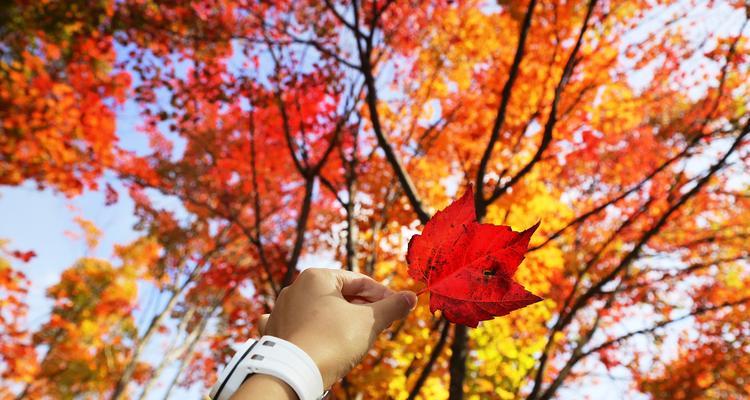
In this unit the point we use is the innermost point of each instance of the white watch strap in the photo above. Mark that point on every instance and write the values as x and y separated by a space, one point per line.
230 378
273 356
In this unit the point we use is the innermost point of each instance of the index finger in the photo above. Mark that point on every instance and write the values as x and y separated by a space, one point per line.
355 285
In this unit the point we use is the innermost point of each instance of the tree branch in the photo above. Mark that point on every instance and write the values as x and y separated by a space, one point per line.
393 159
552 118
304 215
697 312
632 255
502 108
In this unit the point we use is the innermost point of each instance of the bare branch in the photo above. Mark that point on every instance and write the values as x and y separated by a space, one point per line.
393 159
552 118
502 108
697 312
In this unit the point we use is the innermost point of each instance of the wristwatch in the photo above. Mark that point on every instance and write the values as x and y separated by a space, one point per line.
273 356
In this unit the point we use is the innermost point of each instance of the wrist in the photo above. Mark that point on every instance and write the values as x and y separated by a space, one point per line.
272 357
321 356
261 387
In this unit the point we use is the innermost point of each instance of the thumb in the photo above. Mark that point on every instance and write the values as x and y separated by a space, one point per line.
262 321
393 307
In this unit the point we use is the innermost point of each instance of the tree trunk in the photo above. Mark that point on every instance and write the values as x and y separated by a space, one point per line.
351 233
436 351
304 215
460 349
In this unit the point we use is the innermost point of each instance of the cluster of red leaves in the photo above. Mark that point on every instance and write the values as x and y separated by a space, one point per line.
24 256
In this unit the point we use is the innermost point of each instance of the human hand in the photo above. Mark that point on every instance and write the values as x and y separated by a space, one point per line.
334 316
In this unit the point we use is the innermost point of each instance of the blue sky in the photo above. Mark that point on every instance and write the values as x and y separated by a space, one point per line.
38 220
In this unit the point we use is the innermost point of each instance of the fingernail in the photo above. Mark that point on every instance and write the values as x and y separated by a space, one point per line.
411 298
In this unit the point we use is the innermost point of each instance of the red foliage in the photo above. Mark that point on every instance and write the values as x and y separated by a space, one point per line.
110 195
24 256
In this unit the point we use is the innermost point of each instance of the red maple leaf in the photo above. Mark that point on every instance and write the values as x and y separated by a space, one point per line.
468 267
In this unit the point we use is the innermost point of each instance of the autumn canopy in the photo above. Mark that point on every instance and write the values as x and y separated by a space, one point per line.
248 140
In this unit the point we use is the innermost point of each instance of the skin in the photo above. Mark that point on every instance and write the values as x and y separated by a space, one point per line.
332 315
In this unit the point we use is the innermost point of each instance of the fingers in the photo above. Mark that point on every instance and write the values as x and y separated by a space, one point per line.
359 287
394 307
262 322
354 287
357 300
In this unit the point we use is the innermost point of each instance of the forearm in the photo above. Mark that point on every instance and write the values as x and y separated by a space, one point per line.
264 387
